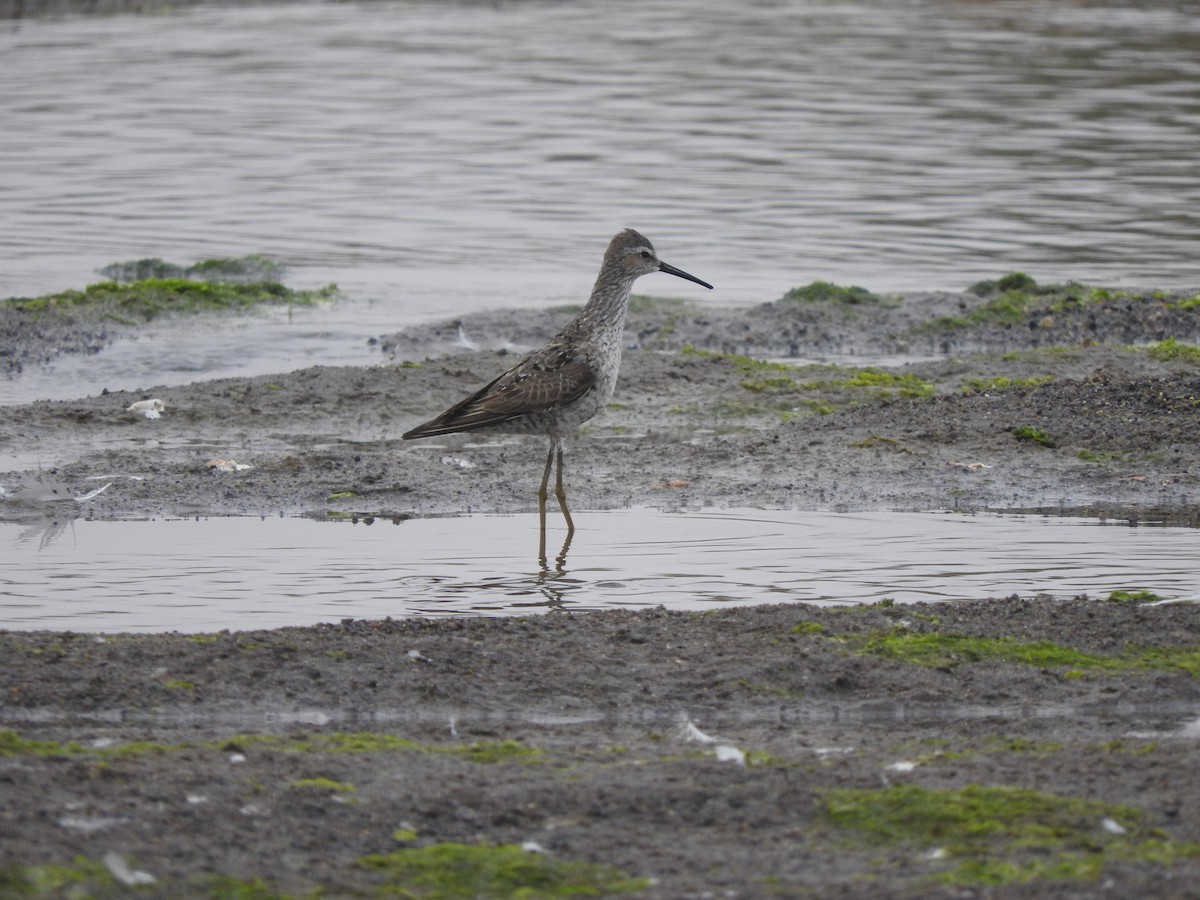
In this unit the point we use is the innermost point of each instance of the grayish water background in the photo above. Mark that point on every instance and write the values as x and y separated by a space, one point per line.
439 157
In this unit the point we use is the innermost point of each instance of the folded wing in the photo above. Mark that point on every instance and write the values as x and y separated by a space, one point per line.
549 379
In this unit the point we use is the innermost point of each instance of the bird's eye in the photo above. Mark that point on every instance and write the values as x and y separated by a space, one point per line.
645 254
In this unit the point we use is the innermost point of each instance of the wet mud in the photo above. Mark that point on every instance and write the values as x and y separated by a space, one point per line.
715 754
1092 409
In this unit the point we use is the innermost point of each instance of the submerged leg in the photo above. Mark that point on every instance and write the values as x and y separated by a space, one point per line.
561 493
560 561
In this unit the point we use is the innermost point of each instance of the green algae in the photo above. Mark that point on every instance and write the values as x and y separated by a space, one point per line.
323 784
1020 745
453 870
834 294
487 752
1118 747
1020 285
1003 834
1006 309
1002 383
1097 456
764 385
483 752
1171 350
878 441
938 650
153 297
12 744
88 879
445 870
888 383
1014 298
1010 300
1141 596
808 628
871 382
1033 435
82 877
373 742
780 382
746 365
932 750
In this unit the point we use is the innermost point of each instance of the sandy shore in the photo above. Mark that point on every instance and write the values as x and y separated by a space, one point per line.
994 747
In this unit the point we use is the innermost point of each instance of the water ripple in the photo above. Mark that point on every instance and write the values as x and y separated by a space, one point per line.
238 573
449 156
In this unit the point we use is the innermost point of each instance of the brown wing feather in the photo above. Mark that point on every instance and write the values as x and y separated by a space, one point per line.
550 378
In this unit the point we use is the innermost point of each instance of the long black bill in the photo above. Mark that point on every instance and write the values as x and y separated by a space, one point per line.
671 270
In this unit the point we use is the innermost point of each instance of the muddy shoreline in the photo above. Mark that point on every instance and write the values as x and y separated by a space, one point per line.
706 753
289 762
1086 408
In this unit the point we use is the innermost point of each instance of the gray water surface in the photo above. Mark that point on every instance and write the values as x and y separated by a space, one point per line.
454 156
245 573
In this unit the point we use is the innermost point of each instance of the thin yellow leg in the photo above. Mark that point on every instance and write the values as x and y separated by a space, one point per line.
561 493
542 494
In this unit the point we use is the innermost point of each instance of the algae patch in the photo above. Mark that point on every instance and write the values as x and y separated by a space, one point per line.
887 384
439 870
936 650
1033 435
1003 834
745 365
1002 383
1140 596
835 295
82 877
808 628
484 752
12 744
832 386
152 297
1015 298
372 742
324 784
89 879
1169 350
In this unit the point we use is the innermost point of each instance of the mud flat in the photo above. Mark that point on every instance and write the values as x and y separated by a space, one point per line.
1021 746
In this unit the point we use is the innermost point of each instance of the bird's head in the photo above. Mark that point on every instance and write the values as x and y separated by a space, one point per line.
633 256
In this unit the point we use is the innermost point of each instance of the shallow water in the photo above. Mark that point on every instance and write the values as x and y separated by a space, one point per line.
443 157
244 573
177 351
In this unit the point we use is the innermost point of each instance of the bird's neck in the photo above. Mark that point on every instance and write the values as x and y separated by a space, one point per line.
609 300
602 321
